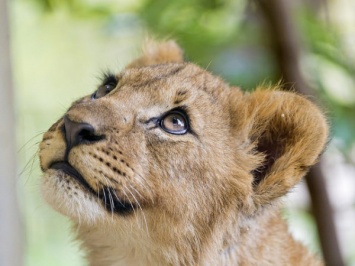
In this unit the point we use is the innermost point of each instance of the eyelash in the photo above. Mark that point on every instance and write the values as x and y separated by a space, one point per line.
109 79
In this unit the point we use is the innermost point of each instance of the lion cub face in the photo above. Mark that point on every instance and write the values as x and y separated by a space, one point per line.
167 145
148 140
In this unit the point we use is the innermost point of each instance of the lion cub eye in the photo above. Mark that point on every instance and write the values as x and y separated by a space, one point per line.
175 122
109 84
103 90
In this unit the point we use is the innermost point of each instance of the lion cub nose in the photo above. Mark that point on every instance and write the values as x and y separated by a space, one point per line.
79 133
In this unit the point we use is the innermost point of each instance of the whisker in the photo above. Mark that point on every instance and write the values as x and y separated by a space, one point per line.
112 204
35 136
130 203
78 225
144 186
140 207
29 165
105 200
135 190
98 190
123 191
135 213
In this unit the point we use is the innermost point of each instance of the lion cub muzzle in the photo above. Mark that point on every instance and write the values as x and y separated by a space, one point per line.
80 133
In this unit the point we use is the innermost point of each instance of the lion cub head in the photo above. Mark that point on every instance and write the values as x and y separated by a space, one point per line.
172 151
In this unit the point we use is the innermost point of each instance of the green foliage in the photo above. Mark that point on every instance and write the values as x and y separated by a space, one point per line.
201 27
332 72
220 35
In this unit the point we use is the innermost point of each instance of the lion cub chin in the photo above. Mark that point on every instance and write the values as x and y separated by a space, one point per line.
166 164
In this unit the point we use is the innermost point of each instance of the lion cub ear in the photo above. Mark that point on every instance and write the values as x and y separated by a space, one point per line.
158 53
287 133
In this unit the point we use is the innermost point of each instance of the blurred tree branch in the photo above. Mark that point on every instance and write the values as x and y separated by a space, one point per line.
286 49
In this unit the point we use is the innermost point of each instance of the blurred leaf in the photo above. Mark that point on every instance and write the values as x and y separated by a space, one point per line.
323 39
201 28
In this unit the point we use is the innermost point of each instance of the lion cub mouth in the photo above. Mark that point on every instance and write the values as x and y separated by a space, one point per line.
106 195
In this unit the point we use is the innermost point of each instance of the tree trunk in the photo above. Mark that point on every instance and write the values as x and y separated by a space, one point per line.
286 49
10 222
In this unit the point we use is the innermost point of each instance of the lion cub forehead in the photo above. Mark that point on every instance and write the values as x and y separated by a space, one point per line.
174 79
148 75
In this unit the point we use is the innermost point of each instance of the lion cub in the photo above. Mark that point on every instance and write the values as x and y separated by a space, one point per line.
166 164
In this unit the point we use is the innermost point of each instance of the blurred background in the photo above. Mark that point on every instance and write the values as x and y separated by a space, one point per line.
59 48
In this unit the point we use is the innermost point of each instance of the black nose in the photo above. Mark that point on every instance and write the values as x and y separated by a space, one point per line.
79 133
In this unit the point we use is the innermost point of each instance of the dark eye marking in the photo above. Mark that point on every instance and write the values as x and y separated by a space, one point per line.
181 93
180 97
109 83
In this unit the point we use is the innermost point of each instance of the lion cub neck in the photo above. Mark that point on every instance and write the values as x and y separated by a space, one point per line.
231 243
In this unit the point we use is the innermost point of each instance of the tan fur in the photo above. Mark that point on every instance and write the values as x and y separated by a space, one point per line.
209 197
